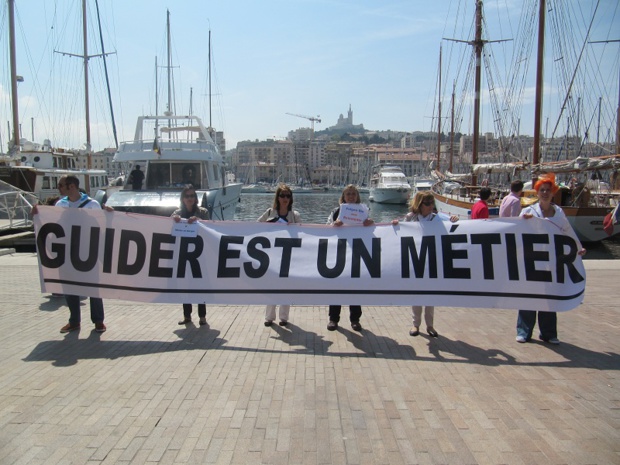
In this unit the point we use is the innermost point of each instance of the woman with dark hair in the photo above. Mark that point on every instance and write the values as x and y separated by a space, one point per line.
192 212
422 208
350 194
280 212
545 188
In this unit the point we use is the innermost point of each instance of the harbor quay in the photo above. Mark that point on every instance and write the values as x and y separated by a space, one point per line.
148 391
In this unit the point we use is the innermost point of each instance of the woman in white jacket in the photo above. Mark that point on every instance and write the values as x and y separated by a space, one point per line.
281 212
545 188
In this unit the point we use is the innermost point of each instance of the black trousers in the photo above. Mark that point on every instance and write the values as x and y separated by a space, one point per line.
187 310
355 313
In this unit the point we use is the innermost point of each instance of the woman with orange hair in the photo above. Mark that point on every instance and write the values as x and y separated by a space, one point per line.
545 189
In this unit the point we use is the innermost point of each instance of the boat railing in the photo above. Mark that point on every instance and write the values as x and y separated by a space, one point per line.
150 146
15 208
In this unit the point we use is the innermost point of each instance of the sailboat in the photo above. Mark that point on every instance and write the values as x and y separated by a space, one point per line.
33 167
174 151
585 207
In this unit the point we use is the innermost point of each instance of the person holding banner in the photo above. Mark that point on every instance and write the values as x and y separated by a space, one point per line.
192 212
350 195
72 197
280 212
545 189
422 208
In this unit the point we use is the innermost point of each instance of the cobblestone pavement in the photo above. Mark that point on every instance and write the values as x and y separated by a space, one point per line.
237 392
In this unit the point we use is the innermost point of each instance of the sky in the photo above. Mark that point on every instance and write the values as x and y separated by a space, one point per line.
269 58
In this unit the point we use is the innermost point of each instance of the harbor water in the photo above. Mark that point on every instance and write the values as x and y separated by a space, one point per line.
316 207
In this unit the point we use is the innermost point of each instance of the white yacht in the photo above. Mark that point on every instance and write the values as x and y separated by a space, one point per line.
182 152
388 184
422 184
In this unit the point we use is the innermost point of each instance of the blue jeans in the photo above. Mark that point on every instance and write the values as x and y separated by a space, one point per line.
547 324
96 309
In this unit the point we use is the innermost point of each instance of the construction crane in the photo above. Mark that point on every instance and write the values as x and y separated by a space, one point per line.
311 118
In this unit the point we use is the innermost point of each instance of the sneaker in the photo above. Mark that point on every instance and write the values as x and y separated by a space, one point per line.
332 326
521 339
554 340
431 332
185 321
268 322
203 321
69 327
356 326
100 327
283 323
415 331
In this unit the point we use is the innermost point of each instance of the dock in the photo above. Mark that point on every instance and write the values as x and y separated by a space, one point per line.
149 391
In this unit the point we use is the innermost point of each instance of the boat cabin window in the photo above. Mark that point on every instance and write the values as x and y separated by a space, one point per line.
174 175
158 176
188 173
46 184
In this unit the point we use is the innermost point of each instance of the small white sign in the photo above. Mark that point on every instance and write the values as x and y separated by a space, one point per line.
353 213
184 229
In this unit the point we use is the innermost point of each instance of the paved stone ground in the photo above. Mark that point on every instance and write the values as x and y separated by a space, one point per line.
235 392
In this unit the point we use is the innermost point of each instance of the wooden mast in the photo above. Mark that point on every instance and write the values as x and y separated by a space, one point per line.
452 129
169 67
13 59
539 87
86 57
478 44
439 117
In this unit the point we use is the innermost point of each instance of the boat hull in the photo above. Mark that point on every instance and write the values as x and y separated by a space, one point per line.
221 202
397 196
588 222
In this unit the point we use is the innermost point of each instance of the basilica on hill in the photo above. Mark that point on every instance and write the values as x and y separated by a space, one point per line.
346 123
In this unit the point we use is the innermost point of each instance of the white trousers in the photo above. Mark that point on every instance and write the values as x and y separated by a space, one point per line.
429 314
270 312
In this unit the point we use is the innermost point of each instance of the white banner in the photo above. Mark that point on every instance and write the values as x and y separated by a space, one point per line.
500 263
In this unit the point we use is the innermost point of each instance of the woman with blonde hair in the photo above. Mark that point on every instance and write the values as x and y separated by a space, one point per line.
422 208
350 194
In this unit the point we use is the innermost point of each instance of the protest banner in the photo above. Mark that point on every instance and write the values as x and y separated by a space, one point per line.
501 263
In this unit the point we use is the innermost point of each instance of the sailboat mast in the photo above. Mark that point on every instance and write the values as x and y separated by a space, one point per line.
539 85
156 91
439 116
452 129
210 122
107 79
478 44
87 114
13 75
169 62
618 119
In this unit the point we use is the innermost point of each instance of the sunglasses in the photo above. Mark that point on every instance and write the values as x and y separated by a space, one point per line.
61 184
428 204
285 196
190 196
